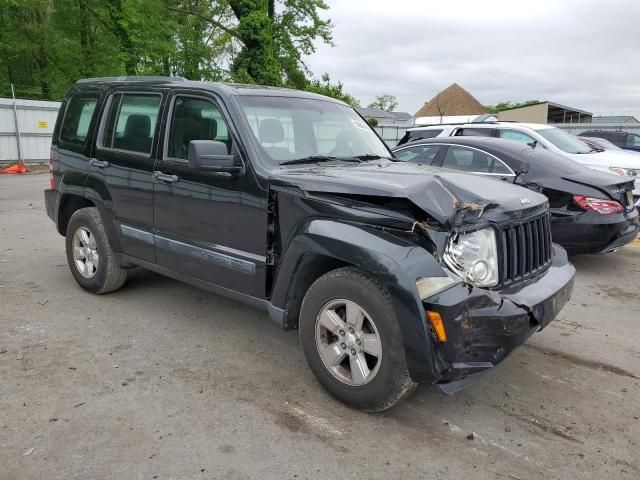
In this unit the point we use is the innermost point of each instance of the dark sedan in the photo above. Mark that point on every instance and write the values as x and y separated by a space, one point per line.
592 212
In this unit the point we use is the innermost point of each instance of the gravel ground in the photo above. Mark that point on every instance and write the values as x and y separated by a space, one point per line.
162 380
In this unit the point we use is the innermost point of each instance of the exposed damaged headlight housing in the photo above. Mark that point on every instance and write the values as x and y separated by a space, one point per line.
474 256
429 286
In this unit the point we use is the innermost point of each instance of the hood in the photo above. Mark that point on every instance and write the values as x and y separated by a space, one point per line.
451 198
608 158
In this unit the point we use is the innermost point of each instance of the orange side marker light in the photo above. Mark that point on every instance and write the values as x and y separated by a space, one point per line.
438 325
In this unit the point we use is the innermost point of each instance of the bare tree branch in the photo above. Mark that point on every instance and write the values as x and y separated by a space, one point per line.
208 20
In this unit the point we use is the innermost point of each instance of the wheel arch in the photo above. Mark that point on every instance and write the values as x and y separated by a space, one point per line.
323 245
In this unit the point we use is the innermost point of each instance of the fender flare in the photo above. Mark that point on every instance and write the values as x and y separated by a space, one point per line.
397 263
97 191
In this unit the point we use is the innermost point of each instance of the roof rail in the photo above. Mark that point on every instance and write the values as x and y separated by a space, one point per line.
130 79
490 122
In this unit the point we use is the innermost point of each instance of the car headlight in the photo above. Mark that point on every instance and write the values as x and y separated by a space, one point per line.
474 256
629 172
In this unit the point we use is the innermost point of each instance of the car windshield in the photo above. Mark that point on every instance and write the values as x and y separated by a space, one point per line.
606 144
564 141
289 129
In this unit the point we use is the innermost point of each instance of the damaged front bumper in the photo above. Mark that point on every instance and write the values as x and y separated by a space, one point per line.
484 326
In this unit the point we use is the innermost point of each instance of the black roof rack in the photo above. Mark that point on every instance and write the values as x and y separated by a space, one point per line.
490 122
131 79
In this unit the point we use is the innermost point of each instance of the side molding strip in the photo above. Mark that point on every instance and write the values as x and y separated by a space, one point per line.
146 237
211 256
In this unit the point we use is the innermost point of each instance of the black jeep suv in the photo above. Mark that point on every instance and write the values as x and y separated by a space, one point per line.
393 273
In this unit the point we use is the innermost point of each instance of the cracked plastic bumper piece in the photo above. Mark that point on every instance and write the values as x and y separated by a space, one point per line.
484 326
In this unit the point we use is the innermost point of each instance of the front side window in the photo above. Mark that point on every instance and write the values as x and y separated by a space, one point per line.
131 122
633 140
195 119
288 128
515 136
423 154
470 160
77 118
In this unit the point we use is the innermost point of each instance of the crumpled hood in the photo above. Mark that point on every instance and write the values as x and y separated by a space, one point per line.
449 197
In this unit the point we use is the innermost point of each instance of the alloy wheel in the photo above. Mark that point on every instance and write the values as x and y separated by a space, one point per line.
348 342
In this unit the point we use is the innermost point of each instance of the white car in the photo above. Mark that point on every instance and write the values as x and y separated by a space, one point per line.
545 136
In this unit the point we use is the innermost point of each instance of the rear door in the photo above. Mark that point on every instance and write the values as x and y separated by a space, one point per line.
125 151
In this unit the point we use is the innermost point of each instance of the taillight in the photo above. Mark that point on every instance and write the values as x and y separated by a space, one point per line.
52 183
600 205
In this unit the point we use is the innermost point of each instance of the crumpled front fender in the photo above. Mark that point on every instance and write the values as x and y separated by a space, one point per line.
396 262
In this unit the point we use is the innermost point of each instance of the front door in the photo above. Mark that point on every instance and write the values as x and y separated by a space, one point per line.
207 225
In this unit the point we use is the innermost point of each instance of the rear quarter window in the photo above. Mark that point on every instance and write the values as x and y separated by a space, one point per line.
474 132
412 135
77 119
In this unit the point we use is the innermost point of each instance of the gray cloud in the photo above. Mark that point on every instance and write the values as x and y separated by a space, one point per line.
582 53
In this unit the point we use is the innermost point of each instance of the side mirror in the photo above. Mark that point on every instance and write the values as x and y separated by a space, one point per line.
212 155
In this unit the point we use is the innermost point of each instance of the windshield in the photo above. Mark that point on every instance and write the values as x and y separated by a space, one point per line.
289 128
606 144
564 141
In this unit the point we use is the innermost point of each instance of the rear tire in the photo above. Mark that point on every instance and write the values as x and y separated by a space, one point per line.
89 254
351 340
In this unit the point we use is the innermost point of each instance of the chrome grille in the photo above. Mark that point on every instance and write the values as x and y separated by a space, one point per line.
524 249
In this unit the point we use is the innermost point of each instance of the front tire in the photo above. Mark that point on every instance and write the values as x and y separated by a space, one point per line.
351 340
89 254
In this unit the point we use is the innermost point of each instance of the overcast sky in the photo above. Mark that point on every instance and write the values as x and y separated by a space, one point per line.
580 53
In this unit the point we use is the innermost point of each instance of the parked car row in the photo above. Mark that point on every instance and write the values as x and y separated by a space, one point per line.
394 273
546 136
623 140
591 211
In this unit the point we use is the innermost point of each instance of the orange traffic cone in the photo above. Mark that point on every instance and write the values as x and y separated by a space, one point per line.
17 168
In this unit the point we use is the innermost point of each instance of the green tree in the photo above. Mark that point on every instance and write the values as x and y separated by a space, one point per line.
385 102
46 45
323 86
268 37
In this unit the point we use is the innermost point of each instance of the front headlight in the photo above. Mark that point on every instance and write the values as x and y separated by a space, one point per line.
629 172
474 256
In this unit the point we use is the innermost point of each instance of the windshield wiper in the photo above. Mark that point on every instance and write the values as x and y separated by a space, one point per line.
319 158
370 156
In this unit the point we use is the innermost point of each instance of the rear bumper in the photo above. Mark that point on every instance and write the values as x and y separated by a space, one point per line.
50 203
483 326
591 232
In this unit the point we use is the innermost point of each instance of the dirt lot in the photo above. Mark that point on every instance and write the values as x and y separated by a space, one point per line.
162 380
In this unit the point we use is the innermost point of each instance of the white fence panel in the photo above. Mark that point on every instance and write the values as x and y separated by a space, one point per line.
36 119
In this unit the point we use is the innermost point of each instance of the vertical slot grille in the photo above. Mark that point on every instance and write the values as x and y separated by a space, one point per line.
524 248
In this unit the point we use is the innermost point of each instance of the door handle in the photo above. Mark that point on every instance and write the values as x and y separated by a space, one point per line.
165 177
98 163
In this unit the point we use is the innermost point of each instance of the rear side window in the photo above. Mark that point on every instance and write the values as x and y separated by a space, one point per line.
470 160
412 135
131 122
77 119
474 132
